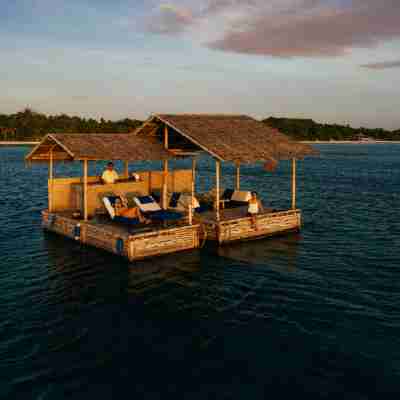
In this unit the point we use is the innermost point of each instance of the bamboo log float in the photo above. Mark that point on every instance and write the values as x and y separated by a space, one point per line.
238 176
217 195
293 183
85 190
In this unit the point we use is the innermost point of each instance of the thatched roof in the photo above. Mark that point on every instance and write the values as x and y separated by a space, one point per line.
93 146
236 138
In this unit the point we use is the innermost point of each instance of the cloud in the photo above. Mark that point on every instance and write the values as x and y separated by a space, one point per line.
382 65
288 28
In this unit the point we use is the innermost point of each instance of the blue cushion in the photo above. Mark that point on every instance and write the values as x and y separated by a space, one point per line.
174 199
113 199
164 215
156 194
127 221
146 199
235 203
202 208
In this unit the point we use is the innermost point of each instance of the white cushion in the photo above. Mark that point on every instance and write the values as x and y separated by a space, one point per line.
185 200
241 195
146 207
109 207
136 177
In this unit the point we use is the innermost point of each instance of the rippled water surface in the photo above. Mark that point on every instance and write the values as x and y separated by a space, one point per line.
315 314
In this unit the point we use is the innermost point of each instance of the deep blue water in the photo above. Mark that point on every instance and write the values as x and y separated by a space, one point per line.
315 315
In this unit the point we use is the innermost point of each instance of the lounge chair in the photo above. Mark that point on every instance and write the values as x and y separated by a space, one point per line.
152 210
181 201
235 198
109 202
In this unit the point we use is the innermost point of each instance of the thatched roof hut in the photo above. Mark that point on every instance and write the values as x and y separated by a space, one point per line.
236 138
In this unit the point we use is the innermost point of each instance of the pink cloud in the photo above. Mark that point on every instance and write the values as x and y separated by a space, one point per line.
309 31
287 28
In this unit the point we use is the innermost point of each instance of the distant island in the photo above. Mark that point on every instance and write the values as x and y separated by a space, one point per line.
309 130
31 126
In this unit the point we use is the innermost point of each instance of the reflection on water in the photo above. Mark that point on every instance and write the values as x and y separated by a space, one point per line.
278 253
82 273
176 269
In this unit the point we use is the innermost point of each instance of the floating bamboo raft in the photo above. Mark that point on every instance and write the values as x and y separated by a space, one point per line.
242 228
119 241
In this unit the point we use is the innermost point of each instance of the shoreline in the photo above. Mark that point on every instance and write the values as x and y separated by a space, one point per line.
18 143
25 143
349 142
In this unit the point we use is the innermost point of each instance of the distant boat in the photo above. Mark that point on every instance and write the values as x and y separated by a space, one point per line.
363 139
367 140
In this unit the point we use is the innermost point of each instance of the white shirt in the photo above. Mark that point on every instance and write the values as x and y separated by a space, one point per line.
253 208
109 176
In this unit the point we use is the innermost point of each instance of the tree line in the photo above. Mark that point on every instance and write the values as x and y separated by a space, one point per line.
307 129
28 125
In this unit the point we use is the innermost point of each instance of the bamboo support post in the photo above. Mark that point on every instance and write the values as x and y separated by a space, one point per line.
166 137
193 178
237 176
217 195
50 194
126 169
165 173
165 185
149 181
85 190
293 183
191 208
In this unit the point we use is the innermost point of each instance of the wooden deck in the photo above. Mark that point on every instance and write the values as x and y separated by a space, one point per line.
234 224
228 214
144 241
133 243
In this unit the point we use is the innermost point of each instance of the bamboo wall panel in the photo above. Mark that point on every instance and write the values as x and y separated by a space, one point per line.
63 196
178 180
105 239
94 202
68 192
243 228
164 241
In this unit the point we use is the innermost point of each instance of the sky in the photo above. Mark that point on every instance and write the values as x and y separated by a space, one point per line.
335 61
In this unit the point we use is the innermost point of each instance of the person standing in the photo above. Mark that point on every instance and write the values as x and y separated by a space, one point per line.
109 175
255 207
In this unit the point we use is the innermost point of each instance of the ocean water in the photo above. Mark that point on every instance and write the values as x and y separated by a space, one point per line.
315 314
